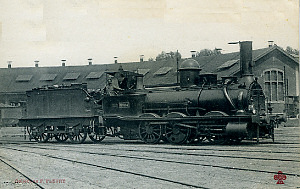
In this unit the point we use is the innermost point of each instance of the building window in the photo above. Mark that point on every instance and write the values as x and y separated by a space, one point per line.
274 85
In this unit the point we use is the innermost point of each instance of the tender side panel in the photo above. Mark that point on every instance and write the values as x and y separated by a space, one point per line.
58 103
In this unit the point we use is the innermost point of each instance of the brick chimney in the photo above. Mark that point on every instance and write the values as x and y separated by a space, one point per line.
63 63
36 63
193 54
271 43
141 58
9 63
90 61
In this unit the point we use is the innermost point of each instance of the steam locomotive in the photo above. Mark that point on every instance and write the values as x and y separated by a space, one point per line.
199 108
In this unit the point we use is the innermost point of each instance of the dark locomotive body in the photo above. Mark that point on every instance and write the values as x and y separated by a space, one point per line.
215 112
61 112
199 108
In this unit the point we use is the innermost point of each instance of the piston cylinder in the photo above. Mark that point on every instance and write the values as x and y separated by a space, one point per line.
236 129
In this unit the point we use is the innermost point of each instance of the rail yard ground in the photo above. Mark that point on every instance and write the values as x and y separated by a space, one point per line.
116 163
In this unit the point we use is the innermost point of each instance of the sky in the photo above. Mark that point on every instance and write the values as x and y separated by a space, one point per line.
75 30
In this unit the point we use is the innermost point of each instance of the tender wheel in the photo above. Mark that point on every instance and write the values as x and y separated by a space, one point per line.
150 132
98 134
61 137
44 137
175 132
30 133
37 133
77 137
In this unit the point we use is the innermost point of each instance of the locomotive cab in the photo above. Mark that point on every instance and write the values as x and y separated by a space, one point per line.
124 81
122 100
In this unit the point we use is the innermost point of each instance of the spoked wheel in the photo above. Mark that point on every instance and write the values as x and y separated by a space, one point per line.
77 137
37 133
61 137
150 132
176 132
216 139
44 137
30 133
98 134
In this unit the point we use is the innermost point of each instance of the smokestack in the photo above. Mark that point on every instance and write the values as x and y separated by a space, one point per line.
246 58
90 61
270 43
36 63
142 58
63 63
193 54
116 59
9 63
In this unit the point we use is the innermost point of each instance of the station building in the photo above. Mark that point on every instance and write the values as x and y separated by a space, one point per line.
276 70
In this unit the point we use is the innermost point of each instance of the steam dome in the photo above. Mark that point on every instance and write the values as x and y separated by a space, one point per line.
190 64
189 73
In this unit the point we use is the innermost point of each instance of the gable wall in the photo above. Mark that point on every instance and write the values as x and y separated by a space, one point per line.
277 60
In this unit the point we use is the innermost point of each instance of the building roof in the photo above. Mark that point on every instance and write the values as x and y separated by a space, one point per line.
155 72
228 64
212 64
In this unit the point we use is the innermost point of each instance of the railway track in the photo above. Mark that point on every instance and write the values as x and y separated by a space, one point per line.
173 161
184 166
109 168
174 147
16 170
226 150
194 154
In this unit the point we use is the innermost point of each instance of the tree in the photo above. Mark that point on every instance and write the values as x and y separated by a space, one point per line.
290 50
166 56
217 51
151 59
208 52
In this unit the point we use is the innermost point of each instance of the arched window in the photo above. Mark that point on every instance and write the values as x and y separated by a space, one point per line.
274 85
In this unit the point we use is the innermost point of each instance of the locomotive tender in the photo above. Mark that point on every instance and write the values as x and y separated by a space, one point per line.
61 112
199 108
